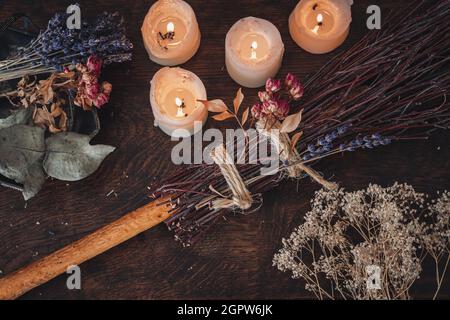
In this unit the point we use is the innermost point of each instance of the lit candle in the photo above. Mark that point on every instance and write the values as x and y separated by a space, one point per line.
174 96
253 51
320 26
170 32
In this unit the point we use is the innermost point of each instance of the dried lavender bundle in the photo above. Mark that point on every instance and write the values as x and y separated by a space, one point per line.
390 86
58 47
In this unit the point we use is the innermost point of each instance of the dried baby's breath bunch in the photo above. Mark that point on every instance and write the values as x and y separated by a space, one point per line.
368 244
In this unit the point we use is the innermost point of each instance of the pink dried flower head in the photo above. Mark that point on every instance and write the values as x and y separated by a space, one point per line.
282 110
94 65
89 91
269 107
106 87
290 80
264 96
278 108
296 91
92 90
257 111
273 85
101 99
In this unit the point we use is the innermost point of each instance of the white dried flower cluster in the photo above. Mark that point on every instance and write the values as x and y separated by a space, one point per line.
391 228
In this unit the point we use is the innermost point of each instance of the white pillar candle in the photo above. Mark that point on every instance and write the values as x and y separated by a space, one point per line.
320 26
253 51
174 96
170 32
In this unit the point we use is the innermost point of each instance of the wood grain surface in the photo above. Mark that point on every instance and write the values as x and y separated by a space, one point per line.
235 259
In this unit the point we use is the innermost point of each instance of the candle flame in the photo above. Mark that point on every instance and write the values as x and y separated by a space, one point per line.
319 23
254 46
170 27
319 18
180 112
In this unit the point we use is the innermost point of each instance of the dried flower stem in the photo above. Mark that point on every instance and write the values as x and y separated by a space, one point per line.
396 229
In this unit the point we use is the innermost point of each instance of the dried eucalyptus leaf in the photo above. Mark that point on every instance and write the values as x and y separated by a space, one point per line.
22 150
70 157
34 180
17 117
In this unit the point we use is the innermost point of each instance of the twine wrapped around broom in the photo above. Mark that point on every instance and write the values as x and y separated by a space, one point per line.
289 155
241 196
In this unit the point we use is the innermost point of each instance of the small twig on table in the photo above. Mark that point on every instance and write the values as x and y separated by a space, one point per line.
11 185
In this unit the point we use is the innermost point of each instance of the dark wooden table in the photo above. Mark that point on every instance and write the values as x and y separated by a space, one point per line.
235 259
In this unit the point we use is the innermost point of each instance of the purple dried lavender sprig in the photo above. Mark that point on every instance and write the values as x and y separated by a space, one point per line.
57 39
325 143
360 142
105 37
57 46
366 142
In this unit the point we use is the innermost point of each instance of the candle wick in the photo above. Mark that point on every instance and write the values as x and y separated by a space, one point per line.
163 39
319 19
168 35
181 105
253 48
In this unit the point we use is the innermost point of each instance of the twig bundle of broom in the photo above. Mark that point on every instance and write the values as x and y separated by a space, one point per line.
392 85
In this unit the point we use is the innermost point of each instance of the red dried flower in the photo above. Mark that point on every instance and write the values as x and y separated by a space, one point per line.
94 65
296 91
257 111
264 96
103 97
273 85
290 80
277 108
89 91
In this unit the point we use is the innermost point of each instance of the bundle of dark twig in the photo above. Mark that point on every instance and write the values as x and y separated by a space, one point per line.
392 85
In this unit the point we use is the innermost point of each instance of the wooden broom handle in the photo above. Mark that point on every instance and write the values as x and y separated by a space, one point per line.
105 238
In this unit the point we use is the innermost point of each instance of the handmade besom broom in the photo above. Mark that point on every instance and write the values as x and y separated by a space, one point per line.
392 85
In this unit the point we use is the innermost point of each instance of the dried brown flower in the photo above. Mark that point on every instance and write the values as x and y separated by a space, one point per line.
91 93
45 95
44 118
